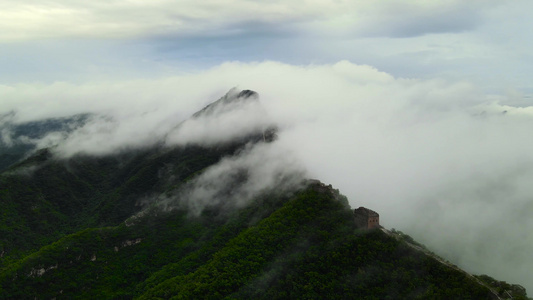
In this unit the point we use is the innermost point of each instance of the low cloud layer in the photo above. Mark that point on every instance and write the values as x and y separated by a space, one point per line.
234 181
230 118
439 160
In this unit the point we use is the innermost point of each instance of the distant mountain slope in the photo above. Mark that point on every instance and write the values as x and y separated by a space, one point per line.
193 221
17 140
45 197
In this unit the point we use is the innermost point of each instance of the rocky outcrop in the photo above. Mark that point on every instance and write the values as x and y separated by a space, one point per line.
40 271
231 100
128 243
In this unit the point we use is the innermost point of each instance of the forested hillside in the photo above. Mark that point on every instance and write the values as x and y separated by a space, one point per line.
184 222
304 245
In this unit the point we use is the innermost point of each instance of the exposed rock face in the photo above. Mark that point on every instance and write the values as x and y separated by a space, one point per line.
366 218
40 272
131 242
247 94
128 243
232 100
237 117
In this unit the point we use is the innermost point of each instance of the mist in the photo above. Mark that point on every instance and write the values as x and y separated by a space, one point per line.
438 159
256 170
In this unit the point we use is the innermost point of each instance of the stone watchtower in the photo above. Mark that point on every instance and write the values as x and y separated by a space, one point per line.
366 218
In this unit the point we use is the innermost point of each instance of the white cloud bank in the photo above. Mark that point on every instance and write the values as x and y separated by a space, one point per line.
234 181
436 159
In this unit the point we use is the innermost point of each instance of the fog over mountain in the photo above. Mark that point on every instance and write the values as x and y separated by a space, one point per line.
234 181
439 159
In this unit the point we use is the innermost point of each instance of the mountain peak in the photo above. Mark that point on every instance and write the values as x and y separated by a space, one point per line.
247 94
231 100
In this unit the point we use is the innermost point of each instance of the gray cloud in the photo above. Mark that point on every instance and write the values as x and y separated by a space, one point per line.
402 20
123 19
484 41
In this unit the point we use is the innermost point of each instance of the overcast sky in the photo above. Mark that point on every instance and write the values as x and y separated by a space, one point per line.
484 41
418 109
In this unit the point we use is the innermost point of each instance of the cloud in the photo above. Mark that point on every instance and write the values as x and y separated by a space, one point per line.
414 18
73 40
6 137
233 116
234 181
126 19
25 20
436 158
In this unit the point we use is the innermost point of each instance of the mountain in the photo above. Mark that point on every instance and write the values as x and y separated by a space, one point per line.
232 100
17 140
204 221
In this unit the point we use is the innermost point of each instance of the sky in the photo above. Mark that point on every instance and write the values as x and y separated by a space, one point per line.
420 110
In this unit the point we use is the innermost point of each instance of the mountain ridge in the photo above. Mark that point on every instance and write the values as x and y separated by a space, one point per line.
95 227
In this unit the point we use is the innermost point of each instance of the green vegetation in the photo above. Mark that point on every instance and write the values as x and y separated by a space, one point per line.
504 289
89 228
304 246
43 199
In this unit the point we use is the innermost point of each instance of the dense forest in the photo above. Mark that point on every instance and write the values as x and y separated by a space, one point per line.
120 227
